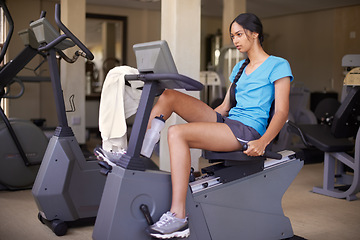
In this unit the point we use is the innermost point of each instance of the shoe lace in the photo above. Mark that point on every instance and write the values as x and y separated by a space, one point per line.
165 219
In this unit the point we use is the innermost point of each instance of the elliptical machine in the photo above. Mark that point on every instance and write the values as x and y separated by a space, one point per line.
68 187
23 144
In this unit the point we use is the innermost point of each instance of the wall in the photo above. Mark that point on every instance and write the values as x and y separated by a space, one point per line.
143 25
314 43
209 26
346 20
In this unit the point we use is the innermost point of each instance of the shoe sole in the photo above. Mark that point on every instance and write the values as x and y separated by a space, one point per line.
109 162
182 234
101 157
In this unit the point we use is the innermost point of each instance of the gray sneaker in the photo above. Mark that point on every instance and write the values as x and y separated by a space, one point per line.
110 157
169 226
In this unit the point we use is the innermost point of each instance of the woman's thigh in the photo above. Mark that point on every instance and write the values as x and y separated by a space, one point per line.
187 107
204 135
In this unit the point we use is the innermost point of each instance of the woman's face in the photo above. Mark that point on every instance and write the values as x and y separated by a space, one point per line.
242 39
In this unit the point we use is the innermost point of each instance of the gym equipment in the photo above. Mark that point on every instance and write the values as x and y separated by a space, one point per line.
350 61
239 198
213 93
338 142
298 113
68 187
215 81
23 144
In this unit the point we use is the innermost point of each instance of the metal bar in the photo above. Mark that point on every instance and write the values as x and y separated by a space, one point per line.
58 93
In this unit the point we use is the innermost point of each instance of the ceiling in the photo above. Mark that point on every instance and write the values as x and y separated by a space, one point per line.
262 8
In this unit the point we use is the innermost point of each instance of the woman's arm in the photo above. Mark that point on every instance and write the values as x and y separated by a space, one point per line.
282 91
224 107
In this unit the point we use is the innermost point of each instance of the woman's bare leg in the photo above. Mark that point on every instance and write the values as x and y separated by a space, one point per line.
189 108
210 136
201 132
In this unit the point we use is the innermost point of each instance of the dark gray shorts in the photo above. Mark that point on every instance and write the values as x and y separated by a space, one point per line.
240 130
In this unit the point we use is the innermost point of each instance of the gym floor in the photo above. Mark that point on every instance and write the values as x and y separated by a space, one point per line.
313 216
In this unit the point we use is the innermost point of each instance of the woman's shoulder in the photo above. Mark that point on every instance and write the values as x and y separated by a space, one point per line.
277 59
238 64
275 62
280 68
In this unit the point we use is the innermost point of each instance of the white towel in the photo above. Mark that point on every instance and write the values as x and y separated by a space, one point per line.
117 103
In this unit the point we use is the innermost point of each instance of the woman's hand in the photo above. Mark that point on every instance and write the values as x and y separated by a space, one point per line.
255 148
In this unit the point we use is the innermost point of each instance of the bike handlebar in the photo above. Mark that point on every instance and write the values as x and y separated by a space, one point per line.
267 154
69 34
169 80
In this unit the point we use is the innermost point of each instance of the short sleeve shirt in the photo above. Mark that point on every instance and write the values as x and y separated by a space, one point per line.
255 92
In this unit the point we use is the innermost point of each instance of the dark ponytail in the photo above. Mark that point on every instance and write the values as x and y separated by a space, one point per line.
233 85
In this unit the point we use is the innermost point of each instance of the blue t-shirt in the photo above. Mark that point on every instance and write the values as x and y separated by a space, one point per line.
255 92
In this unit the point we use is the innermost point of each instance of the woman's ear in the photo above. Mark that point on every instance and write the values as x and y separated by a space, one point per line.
255 35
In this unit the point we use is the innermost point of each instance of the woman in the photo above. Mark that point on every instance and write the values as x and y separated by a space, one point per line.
242 117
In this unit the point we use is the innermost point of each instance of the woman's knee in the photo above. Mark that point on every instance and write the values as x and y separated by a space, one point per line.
174 133
167 96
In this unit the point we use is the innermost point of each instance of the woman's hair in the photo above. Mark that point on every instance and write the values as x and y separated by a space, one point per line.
252 23
233 85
